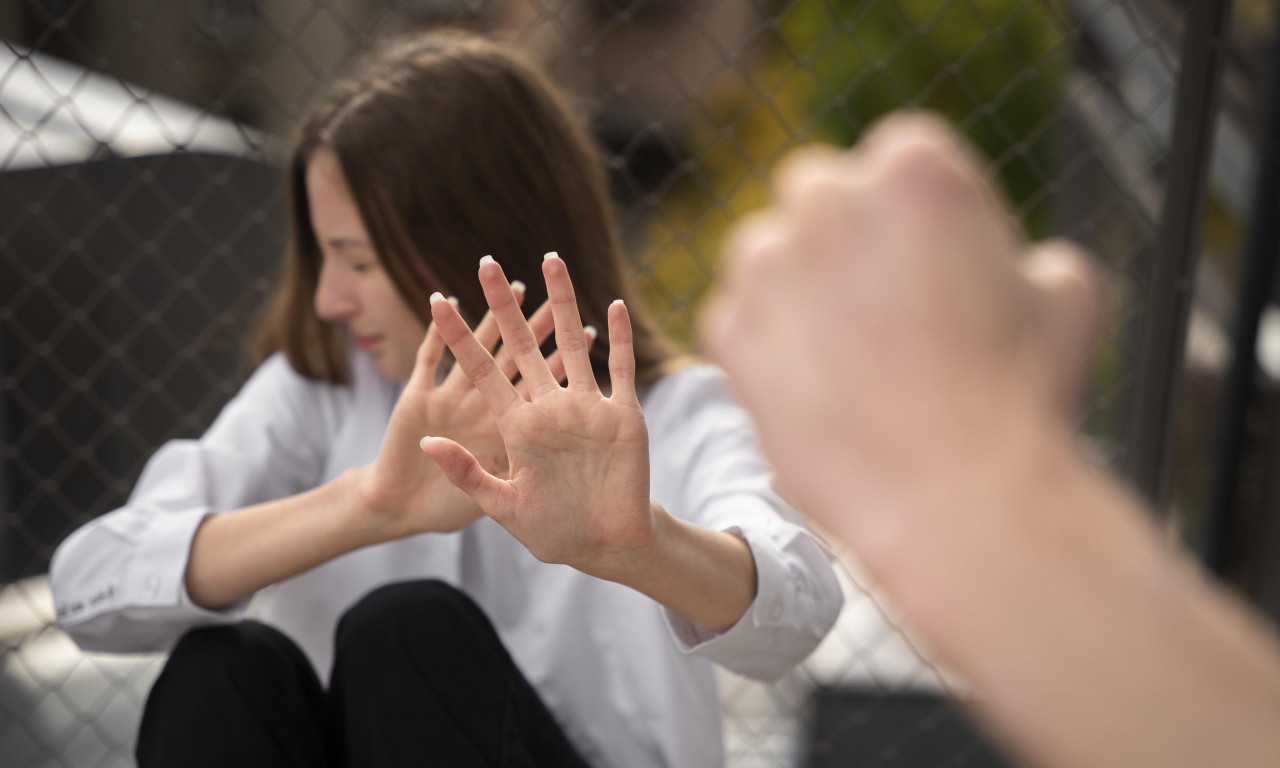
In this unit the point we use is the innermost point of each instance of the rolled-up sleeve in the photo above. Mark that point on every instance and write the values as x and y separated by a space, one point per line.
709 470
118 582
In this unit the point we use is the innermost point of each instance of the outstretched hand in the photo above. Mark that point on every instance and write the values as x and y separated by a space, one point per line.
577 484
408 495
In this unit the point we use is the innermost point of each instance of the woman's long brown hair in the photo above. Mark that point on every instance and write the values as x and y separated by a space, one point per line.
453 148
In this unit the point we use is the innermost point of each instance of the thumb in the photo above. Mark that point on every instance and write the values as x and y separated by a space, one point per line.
464 471
1068 290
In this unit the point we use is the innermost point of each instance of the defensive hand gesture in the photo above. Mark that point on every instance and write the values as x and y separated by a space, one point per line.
577 491
408 495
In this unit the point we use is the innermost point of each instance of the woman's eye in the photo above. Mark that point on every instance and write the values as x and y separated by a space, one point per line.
362 267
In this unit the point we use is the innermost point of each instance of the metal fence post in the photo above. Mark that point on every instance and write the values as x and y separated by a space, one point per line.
1257 285
1168 287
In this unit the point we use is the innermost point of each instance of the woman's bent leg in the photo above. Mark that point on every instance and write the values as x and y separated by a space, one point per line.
240 694
421 678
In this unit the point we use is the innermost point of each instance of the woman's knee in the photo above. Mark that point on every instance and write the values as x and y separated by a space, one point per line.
248 648
236 694
430 612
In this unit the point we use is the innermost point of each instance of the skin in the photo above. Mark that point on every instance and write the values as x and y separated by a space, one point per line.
354 289
927 425
569 446
550 448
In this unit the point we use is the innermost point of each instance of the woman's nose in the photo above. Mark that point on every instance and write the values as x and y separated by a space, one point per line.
334 301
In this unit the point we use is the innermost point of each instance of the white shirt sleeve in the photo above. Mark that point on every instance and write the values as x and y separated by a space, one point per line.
119 581
707 468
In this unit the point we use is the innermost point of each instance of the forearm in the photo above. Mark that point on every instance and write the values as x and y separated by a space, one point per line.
234 554
1087 640
706 576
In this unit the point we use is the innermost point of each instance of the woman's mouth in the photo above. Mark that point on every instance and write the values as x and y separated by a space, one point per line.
365 342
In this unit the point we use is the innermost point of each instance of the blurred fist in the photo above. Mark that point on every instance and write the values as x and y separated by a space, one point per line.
883 326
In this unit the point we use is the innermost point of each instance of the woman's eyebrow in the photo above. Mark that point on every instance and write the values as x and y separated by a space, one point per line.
340 243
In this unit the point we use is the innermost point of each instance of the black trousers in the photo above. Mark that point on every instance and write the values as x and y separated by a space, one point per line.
419 678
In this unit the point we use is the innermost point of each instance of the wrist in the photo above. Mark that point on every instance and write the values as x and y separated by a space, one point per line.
1008 474
631 562
354 491
706 576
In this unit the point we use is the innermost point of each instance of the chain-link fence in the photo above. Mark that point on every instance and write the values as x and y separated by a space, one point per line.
141 225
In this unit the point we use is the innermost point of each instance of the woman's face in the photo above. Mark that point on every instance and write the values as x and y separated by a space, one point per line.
354 288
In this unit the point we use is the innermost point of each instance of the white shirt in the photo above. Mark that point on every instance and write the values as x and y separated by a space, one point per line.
630 682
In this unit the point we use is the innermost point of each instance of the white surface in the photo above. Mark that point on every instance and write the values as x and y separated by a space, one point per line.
55 113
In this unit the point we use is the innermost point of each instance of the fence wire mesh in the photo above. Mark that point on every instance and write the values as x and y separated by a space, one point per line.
141 222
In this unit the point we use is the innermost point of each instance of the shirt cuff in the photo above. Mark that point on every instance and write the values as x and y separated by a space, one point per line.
771 608
153 579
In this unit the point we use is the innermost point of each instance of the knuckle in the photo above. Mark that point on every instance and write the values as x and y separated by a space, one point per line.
525 346
483 367
925 171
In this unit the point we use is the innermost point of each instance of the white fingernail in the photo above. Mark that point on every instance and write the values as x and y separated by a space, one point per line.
591 332
486 260
423 442
517 285
550 255
437 296
454 301
619 302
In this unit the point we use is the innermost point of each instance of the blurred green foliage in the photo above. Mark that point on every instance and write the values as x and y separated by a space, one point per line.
994 67
991 66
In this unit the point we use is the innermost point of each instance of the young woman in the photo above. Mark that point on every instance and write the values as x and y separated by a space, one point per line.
334 598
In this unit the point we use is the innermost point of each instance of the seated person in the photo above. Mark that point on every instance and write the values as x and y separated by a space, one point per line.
395 622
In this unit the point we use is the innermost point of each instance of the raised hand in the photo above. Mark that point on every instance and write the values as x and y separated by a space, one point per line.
882 281
409 495
577 490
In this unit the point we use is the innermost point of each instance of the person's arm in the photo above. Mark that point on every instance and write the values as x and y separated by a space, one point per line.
1088 640
400 494
578 490
236 553
212 521
910 377
706 468
118 580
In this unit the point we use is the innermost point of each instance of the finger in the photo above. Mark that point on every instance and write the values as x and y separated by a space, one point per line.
465 472
570 340
622 357
430 352
517 337
909 127
555 362
934 152
798 165
488 335
754 257
1069 301
717 326
542 324
755 254
487 332
471 356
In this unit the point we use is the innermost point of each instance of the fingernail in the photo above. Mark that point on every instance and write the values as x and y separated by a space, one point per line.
437 296
549 255
486 260
517 285
423 442
591 332
619 302
454 301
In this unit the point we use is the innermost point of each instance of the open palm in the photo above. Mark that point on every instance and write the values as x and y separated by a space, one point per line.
578 485
411 495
